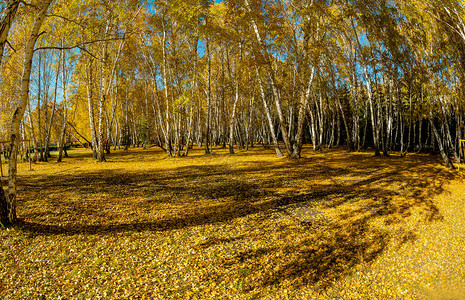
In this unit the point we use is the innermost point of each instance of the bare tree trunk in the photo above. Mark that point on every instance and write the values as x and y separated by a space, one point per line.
268 116
346 125
39 123
48 127
301 118
374 122
233 118
208 113
37 140
101 141
165 83
356 118
6 20
160 122
447 130
411 129
33 136
321 121
190 130
313 129
90 105
403 148
250 138
273 82
65 109
440 143
420 126
3 208
112 120
19 112
61 146
331 129
338 126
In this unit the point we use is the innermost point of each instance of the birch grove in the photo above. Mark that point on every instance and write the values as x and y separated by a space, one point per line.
386 76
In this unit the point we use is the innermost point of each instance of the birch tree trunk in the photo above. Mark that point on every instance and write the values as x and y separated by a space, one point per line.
190 130
301 119
374 122
19 113
48 126
101 142
274 85
6 20
440 143
33 136
208 114
165 83
90 106
233 118
3 208
346 125
268 116
65 109
39 143
62 134
312 128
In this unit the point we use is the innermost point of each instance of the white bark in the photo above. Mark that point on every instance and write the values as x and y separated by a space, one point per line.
90 105
233 118
268 116
20 109
274 86
300 122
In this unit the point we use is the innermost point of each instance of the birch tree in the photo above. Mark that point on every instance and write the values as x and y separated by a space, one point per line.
20 109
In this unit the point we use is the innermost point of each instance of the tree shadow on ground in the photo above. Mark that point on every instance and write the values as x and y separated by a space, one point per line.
317 260
118 201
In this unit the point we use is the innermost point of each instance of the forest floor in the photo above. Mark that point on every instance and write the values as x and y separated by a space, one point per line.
333 225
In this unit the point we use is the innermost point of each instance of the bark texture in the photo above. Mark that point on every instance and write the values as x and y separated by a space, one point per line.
19 112
3 209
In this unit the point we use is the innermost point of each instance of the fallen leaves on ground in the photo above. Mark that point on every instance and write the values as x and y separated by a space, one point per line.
333 225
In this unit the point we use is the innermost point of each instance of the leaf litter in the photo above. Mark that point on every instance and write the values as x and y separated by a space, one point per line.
333 225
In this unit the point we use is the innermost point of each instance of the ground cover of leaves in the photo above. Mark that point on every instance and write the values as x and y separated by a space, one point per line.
333 225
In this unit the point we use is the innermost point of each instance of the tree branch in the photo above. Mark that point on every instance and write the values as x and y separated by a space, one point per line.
78 45
88 52
67 19
8 43
72 126
28 4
